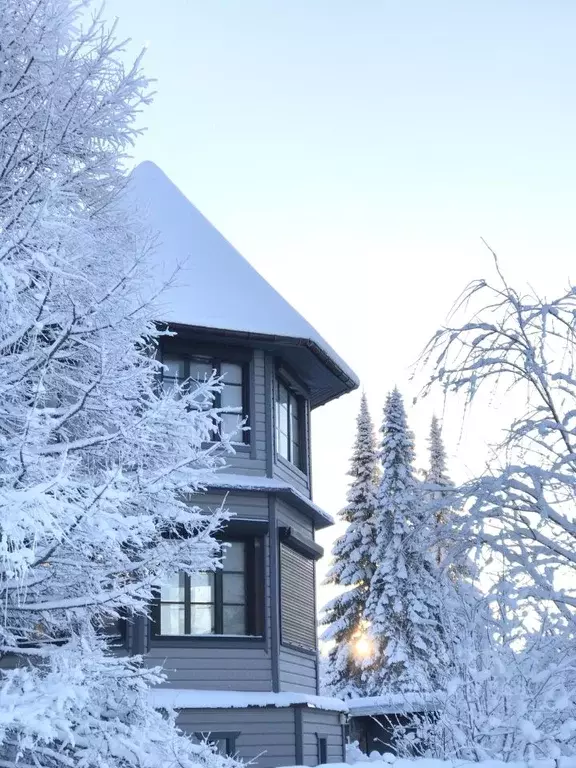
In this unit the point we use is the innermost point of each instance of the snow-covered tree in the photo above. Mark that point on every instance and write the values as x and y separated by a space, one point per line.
437 472
407 590
522 508
352 566
95 464
506 700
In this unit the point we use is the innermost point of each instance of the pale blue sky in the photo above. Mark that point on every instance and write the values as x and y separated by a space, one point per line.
355 152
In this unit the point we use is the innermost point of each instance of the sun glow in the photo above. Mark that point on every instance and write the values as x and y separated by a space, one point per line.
363 647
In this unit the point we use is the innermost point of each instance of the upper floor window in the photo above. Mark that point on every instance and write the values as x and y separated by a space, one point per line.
289 425
233 397
222 602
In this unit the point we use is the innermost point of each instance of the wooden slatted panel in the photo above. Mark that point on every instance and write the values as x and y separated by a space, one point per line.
297 604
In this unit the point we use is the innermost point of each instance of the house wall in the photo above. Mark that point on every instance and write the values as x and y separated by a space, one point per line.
267 734
220 663
321 723
298 669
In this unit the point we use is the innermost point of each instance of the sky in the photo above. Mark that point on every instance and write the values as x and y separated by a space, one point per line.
355 153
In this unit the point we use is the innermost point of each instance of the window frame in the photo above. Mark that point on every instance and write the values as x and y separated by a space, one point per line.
216 359
293 393
254 592
213 736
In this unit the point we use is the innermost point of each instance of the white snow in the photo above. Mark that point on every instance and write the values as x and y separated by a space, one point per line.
185 698
232 482
389 761
189 244
393 703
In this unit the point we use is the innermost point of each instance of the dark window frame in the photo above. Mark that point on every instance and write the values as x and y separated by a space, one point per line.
254 591
293 393
213 736
321 748
216 360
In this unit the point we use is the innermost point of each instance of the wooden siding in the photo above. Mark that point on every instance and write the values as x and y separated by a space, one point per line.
297 671
267 734
251 460
283 470
287 515
242 504
319 722
212 668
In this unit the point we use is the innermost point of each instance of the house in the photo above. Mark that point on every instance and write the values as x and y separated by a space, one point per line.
239 646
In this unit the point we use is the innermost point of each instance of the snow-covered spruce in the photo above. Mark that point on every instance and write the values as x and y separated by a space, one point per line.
95 465
407 591
352 565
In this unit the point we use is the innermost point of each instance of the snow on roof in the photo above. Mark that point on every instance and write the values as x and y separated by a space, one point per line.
185 698
234 482
215 287
391 704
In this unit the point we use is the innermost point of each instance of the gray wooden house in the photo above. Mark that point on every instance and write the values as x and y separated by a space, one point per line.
240 646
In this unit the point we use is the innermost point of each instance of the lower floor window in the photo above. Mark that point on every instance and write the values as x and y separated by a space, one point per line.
223 741
222 602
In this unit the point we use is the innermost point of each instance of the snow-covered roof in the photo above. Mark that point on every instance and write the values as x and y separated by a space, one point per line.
187 698
392 704
211 283
233 482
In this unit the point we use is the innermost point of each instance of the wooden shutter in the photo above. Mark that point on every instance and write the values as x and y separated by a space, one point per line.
297 600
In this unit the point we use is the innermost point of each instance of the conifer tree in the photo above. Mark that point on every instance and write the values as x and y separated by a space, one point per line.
437 471
406 592
352 566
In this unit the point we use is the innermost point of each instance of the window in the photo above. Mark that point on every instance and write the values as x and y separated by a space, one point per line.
222 602
322 749
224 741
232 399
289 425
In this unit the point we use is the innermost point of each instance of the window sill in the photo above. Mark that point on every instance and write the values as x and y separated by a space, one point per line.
238 447
209 641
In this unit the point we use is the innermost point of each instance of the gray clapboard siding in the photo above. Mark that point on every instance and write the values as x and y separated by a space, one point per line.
297 671
284 470
318 722
266 733
248 461
287 515
243 504
210 668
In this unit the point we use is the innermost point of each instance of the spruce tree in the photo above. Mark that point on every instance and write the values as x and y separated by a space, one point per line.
437 471
352 566
406 592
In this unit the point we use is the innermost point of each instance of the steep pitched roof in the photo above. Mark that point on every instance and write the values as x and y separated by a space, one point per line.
214 286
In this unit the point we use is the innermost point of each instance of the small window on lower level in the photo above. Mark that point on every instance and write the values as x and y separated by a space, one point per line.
223 602
322 743
224 741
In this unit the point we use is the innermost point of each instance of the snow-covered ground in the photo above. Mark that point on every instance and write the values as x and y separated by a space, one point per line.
389 761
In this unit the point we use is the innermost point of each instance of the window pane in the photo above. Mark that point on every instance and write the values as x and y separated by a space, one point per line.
172 619
296 454
168 385
233 588
231 426
231 397
174 367
232 373
200 370
202 587
234 556
234 620
282 444
172 590
201 619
